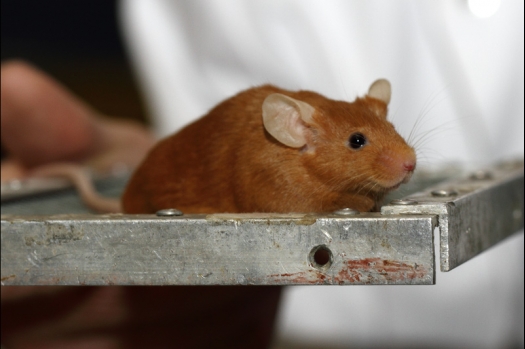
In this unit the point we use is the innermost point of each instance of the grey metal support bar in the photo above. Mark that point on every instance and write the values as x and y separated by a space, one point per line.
247 249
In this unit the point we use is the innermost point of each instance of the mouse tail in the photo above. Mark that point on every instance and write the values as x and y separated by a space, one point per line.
83 183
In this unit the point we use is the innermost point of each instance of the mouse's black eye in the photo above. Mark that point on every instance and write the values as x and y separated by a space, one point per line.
357 140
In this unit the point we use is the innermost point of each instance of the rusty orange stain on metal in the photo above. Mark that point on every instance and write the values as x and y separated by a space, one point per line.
5 278
366 271
313 277
354 270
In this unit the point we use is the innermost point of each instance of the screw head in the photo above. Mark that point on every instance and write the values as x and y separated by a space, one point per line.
346 212
444 192
169 212
404 202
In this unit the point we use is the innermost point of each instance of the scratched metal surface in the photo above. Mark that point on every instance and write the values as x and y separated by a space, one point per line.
485 207
247 249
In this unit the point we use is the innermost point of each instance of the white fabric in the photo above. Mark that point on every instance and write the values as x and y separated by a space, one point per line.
455 75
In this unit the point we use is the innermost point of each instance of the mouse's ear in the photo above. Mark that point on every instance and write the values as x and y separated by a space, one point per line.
286 118
381 90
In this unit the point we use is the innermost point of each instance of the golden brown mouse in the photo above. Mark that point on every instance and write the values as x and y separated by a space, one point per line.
271 150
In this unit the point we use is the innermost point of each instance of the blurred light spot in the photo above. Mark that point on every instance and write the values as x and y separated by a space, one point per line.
484 8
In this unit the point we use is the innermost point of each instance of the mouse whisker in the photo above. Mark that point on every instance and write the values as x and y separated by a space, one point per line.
432 132
427 107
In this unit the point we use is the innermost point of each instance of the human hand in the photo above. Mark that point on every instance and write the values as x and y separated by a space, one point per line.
42 122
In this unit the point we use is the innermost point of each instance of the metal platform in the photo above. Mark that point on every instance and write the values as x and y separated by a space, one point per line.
64 245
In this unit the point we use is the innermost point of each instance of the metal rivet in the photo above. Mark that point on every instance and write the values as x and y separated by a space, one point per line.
169 212
403 202
481 175
443 192
346 212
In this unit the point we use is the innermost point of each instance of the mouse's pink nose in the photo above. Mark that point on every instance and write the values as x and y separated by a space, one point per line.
409 166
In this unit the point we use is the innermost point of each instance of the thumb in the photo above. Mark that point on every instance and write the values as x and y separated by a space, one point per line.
42 121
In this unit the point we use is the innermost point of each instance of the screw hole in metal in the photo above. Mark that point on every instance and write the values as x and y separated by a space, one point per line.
320 257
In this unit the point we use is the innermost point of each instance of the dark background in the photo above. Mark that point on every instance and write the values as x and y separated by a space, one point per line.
77 42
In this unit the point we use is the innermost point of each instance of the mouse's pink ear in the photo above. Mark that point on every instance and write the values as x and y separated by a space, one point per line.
285 119
381 90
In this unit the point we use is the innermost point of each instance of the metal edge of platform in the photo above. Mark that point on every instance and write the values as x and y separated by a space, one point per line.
260 249
475 211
